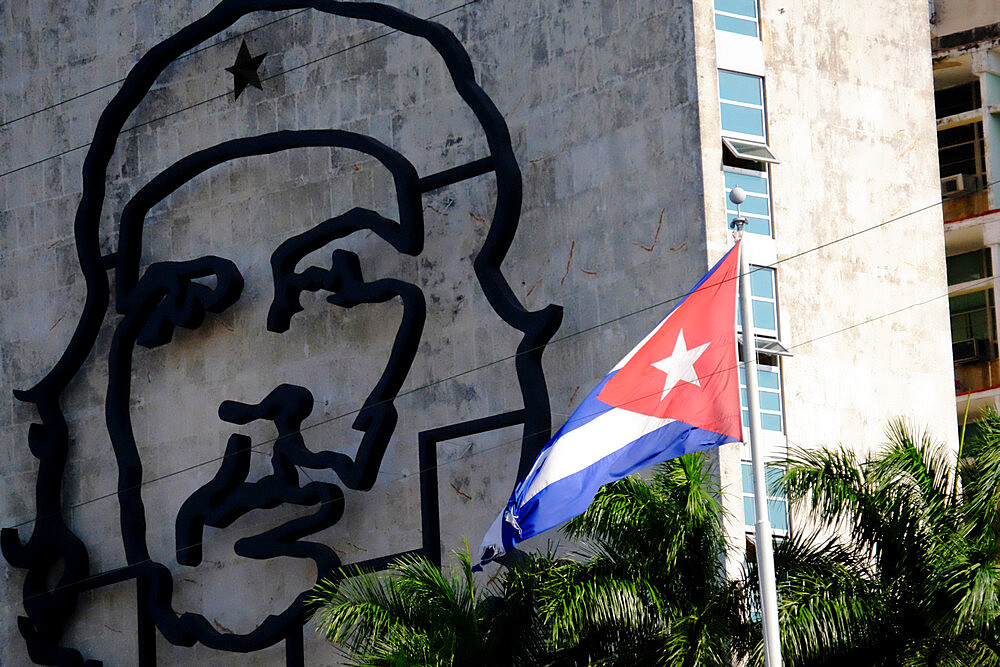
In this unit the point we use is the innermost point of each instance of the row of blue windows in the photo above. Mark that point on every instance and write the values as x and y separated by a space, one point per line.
743 118
741 106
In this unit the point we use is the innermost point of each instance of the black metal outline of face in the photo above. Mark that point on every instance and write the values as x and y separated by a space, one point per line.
171 297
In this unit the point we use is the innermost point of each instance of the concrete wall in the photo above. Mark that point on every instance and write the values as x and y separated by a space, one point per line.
959 15
601 100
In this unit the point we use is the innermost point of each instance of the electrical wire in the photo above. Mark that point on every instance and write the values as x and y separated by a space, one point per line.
228 93
554 341
188 54
461 373
400 477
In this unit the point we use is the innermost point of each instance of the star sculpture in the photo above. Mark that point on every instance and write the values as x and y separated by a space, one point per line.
679 366
244 70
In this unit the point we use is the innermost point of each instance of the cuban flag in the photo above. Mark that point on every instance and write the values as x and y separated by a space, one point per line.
676 392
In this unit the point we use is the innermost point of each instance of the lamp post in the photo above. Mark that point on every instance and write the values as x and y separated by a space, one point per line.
762 527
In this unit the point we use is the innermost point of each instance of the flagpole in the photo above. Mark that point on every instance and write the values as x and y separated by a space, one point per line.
765 546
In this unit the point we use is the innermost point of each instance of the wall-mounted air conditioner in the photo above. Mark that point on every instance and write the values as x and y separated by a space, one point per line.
966 350
952 186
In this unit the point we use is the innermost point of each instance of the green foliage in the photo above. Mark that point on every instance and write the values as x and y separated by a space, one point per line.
414 615
649 588
918 582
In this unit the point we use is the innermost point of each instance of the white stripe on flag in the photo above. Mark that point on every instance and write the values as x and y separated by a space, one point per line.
585 446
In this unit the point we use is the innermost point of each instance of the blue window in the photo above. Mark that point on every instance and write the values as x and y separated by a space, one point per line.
768 396
741 100
739 16
757 208
763 302
777 500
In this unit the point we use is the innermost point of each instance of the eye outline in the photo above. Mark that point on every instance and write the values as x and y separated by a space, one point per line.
168 296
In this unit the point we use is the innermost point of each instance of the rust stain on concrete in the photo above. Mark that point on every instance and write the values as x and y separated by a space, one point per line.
532 288
656 236
572 247
435 210
461 492
575 392
223 629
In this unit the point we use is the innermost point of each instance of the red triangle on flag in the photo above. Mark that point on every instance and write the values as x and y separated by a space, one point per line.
687 369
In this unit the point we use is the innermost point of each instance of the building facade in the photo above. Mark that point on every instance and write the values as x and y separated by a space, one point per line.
330 319
966 57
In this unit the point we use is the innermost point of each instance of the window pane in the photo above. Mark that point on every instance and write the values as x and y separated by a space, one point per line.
747 478
762 283
777 514
749 513
752 184
764 315
961 150
770 422
768 379
740 87
754 226
733 24
770 401
969 266
773 476
745 120
752 206
741 7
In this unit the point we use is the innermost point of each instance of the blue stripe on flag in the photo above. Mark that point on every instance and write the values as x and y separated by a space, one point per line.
571 496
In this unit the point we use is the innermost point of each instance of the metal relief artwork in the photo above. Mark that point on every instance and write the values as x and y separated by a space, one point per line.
152 302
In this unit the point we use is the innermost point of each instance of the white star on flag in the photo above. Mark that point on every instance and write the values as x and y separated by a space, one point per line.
679 366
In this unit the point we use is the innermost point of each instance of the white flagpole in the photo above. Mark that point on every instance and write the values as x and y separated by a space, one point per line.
765 546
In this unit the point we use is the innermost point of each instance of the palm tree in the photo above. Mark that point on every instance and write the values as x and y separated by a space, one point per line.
918 583
415 614
651 588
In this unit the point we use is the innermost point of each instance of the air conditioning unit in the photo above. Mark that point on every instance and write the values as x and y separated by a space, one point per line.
952 186
966 350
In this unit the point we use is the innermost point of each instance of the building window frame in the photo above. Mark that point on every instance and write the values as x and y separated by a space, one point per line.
757 207
763 301
777 499
732 16
742 101
769 398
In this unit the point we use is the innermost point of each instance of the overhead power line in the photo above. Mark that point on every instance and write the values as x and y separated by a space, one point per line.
400 477
190 53
222 95
554 341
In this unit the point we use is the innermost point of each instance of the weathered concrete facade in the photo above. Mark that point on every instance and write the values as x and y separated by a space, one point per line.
966 62
613 108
